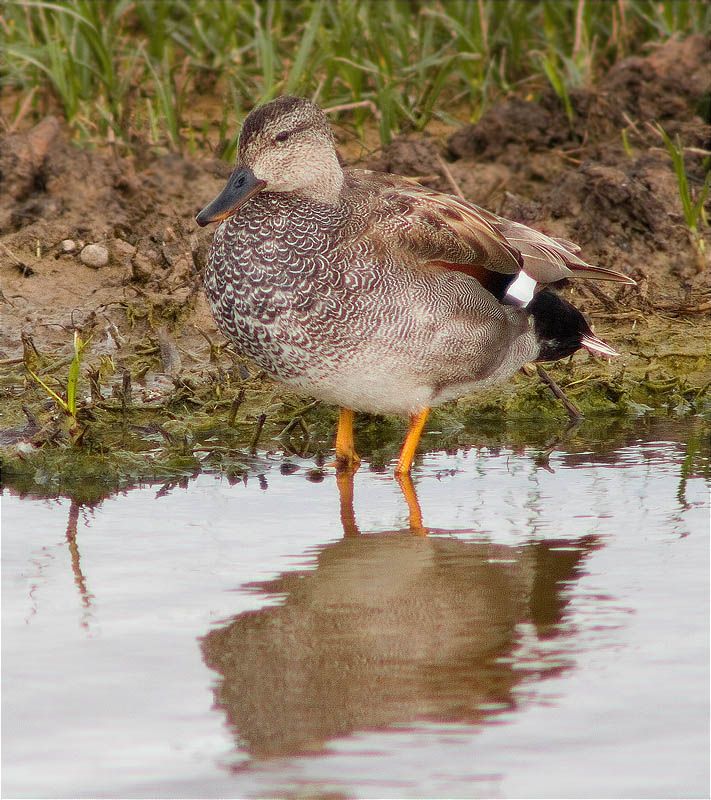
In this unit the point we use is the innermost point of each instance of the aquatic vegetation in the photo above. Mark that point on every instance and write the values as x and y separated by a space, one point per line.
68 403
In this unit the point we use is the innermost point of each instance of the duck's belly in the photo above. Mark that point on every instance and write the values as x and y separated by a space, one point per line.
377 382
363 383
381 366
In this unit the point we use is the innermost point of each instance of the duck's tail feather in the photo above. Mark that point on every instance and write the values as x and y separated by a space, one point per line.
547 260
597 347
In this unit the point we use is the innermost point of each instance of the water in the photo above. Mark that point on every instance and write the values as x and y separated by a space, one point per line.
548 637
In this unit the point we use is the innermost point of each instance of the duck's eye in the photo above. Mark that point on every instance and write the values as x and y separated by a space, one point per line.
283 136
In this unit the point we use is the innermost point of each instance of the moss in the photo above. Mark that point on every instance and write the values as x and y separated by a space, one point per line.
196 424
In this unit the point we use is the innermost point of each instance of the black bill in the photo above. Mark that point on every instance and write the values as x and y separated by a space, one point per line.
242 185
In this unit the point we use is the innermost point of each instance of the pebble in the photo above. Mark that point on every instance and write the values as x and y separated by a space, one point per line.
122 251
95 255
24 448
68 246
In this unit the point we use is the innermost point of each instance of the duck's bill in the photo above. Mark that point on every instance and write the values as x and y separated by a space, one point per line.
597 347
241 186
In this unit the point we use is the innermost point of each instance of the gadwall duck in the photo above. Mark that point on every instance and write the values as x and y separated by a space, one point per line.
370 291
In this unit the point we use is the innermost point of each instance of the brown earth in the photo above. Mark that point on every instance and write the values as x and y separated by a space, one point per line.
145 313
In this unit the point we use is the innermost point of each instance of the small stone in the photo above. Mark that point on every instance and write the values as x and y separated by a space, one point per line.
68 246
122 251
24 448
95 256
141 267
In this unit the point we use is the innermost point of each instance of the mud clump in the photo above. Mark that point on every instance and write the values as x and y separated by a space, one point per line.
516 122
22 160
666 86
414 156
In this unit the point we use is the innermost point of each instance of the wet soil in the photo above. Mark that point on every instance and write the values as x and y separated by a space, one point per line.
156 376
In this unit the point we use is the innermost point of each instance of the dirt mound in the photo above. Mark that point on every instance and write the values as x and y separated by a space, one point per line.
415 156
616 196
514 123
672 86
669 86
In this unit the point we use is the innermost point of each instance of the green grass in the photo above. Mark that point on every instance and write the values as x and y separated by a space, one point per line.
692 204
68 403
135 70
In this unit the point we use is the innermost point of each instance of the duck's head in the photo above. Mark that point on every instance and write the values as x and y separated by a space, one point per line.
285 146
561 329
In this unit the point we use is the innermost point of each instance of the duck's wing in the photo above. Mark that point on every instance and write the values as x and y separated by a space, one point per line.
442 231
432 230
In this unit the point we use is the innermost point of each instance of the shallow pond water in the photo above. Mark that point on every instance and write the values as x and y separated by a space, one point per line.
510 626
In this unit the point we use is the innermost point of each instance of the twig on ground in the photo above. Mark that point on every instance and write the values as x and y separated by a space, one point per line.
349 106
573 411
450 178
234 408
261 419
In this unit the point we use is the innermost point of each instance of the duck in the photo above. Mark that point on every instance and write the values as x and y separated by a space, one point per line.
372 292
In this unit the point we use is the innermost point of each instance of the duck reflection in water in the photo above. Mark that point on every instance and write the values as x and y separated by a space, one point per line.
391 627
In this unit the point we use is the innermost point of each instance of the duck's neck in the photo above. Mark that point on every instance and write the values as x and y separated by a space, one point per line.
327 181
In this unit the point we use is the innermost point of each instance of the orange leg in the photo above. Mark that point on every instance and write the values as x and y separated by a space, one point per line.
407 454
346 456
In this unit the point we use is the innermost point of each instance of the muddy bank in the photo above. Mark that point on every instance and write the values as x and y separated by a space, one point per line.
158 383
